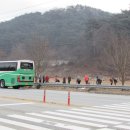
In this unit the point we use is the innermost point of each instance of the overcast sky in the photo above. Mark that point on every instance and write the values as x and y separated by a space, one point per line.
12 8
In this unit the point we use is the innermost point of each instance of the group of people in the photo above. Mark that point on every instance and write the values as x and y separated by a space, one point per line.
113 81
42 79
45 79
64 80
86 79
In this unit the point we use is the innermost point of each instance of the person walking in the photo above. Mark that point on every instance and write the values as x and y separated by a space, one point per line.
43 79
115 81
86 79
78 80
69 79
47 79
111 81
64 80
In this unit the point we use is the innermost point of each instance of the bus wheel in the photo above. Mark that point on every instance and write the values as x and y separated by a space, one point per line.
16 87
2 83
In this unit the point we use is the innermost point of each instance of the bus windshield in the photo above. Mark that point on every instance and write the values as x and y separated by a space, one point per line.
8 66
26 65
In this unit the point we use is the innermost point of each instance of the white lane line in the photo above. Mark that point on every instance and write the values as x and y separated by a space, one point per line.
100 112
123 127
89 118
26 118
105 110
94 115
68 120
16 104
106 129
25 125
71 127
117 105
122 107
85 118
6 128
117 108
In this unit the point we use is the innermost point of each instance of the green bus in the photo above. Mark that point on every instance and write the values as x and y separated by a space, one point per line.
17 73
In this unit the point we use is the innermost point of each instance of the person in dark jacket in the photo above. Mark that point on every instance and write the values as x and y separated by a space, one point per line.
64 80
69 80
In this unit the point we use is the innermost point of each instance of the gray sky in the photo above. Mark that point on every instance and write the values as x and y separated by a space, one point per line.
12 8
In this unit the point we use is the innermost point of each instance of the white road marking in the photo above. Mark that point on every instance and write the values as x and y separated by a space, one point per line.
84 118
25 125
105 129
118 105
123 127
114 108
6 128
16 104
70 127
56 124
26 118
68 120
100 112
105 110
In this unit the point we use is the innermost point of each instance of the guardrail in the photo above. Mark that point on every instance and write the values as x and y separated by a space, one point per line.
38 85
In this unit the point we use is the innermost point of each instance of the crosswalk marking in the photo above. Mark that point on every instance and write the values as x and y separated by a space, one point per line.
25 125
114 108
81 117
68 120
100 116
105 129
98 112
123 127
26 118
71 127
56 124
106 117
105 110
5 128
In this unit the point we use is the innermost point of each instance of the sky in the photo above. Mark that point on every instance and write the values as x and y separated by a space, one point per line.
13 8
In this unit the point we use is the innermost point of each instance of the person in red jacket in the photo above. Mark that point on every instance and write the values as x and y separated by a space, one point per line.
47 79
86 79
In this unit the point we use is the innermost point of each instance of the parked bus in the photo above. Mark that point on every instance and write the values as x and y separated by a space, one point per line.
17 73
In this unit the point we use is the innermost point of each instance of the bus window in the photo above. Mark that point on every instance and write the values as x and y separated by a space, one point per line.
8 66
26 65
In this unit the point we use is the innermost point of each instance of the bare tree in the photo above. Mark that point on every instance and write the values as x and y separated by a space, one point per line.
37 51
118 55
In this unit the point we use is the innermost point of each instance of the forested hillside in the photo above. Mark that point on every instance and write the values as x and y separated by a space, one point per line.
79 34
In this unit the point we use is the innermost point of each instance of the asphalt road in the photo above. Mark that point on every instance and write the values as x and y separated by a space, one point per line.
24 110
61 97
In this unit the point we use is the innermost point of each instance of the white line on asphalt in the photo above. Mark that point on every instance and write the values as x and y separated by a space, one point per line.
56 124
16 104
105 129
89 118
26 118
123 127
84 118
25 125
105 110
6 128
94 115
117 108
70 127
68 120
100 112
122 107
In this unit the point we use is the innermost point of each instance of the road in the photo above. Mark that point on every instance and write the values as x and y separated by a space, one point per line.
95 112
